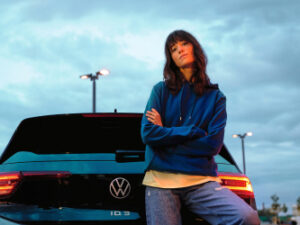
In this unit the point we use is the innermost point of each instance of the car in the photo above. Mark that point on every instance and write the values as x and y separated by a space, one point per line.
86 168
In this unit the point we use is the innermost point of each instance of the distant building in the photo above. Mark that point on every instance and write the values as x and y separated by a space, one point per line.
296 211
296 214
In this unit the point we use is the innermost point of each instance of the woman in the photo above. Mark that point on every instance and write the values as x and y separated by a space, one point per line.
183 129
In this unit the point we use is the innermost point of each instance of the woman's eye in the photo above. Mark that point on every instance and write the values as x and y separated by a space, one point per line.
173 49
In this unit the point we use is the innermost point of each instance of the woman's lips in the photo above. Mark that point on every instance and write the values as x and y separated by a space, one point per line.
183 56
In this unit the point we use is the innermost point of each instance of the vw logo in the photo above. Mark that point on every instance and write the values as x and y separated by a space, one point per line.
119 188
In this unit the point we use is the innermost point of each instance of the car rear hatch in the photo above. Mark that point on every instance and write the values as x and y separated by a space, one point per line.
74 168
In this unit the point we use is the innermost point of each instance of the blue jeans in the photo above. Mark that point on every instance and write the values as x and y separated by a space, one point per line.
210 201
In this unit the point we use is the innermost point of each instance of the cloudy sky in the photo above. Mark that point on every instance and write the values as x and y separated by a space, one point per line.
253 49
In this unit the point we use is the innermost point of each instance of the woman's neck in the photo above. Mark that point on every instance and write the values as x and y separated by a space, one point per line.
187 73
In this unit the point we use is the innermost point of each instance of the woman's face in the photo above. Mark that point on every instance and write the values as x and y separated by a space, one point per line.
182 53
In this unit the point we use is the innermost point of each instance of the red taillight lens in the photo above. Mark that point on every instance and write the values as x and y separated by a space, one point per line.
240 185
8 183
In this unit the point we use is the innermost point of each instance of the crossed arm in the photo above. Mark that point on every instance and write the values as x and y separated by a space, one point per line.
188 140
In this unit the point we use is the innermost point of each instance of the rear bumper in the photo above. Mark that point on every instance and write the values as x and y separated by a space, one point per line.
31 214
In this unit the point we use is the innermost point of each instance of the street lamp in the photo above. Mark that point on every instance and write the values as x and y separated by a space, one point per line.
243 147
102 72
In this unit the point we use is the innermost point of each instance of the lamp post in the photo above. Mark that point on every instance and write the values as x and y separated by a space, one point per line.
93 78
242 136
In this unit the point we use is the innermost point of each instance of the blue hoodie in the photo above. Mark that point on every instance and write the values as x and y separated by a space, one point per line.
192 132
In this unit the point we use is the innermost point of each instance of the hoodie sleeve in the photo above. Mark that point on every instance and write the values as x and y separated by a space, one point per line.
212 142
155 135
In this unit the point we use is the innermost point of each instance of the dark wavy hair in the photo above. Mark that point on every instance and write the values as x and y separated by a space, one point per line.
172 75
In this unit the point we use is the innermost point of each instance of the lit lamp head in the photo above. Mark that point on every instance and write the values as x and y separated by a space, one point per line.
249 133
85 76
103 72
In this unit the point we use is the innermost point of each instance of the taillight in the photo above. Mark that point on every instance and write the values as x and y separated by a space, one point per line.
8 183
240 185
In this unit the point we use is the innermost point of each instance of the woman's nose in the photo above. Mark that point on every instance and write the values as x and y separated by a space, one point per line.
180 49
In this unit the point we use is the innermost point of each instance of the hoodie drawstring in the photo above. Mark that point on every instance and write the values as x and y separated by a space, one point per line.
180 105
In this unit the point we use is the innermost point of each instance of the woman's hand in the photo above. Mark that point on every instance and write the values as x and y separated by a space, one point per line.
154 117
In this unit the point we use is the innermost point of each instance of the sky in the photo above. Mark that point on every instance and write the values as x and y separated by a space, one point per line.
252 46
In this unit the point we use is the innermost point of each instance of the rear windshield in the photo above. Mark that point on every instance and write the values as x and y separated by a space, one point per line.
87 134
76 134
225 166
